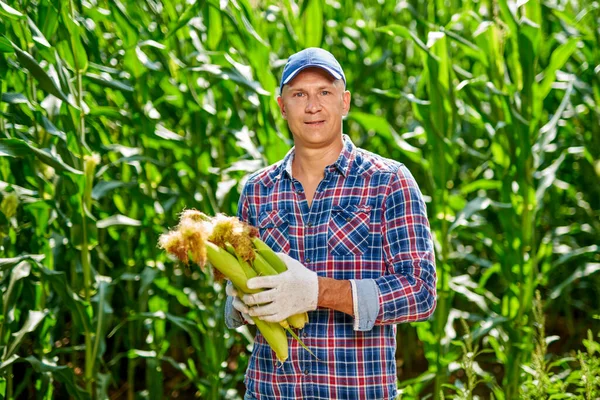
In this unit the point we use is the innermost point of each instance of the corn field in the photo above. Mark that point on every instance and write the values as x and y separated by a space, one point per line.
115 115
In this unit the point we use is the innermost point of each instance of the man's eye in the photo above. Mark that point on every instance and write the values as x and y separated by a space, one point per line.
298 94
325 92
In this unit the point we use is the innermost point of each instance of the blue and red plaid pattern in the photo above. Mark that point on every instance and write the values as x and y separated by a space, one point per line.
367 220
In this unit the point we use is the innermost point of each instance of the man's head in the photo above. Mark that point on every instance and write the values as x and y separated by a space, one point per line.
311 57
313 97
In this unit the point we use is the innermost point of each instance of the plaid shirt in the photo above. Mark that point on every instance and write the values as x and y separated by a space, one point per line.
367 223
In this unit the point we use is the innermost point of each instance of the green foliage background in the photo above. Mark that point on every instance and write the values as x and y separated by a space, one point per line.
116 115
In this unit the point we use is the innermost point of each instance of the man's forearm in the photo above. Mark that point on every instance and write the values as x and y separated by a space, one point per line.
335 294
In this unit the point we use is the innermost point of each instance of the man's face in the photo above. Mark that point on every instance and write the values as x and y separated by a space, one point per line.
313 104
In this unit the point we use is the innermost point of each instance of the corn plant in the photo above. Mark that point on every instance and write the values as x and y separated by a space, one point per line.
115 115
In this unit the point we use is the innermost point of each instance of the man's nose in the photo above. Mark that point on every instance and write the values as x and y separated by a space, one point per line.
313 104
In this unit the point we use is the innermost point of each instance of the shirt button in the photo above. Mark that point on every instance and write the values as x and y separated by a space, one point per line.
305 372
309 224
305 334
308 260
348 219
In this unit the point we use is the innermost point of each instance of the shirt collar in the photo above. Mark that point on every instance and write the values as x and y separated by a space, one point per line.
342 164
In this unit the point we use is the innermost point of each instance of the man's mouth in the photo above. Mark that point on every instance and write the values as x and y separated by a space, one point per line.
315 123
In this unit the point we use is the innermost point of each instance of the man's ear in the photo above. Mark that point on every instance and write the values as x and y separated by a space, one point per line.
346 99
281 107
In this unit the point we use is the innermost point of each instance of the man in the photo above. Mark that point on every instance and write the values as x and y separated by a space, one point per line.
352 228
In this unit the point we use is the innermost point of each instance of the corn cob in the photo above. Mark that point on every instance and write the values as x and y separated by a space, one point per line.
229 266
269 255
275 336
261 267
248 271
262 249
273 333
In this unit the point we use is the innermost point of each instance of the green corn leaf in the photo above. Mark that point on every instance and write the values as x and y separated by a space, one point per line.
80 310
557 60
581 272
34 318
184 324
50 128
181 297
77 230
147 278
46 83
19 272
191 11
11 262
9 12
117 220
300 342
107 81
313 23
214 24
14 98
475 205
103 313
529 44
37 35
48 18
509 16
396 94
251 32
78 52
102 188
103 384
231 74
576 21
112 113
384 130
61 373
402 31
21 148
593 249
5 45
547 178
464 285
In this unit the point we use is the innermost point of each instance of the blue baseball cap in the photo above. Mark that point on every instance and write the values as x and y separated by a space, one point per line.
311 57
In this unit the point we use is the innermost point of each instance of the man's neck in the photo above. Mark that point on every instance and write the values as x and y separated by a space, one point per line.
310 163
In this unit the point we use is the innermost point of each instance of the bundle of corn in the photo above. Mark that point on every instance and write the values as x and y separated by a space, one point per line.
237 253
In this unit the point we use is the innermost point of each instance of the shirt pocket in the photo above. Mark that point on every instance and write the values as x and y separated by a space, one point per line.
273 227
348 230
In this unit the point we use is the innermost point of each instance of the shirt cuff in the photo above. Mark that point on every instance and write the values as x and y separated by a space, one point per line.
233 318
365 300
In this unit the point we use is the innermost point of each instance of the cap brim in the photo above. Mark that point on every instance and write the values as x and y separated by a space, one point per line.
296 72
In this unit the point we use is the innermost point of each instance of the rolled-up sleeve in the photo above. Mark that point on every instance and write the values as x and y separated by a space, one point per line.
365 300
407 293
233 318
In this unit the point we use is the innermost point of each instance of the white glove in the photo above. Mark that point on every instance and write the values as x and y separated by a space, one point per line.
237 303
291 292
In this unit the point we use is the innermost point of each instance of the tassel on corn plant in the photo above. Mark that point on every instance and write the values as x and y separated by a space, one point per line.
236 252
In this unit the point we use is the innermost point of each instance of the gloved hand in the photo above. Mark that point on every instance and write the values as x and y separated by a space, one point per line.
237 303
291 292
